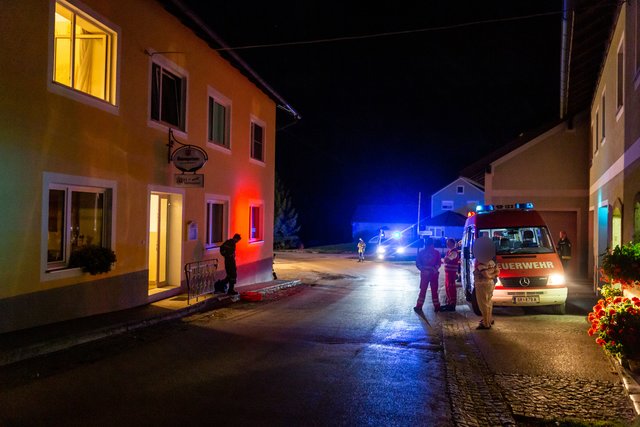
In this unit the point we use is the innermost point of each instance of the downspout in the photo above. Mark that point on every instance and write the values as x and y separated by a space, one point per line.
284 105
568 16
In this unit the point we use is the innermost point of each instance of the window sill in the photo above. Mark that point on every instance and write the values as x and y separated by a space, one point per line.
92 101
257 162
62 273
165 127
256 242
218 147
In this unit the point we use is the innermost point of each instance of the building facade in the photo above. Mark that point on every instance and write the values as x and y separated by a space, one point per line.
614 175
550 170
461 196
88 104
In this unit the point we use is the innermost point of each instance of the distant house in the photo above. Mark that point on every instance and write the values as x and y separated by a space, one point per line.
461 196
367 220
446 225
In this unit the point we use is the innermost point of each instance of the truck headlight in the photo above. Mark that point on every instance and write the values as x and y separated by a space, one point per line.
400 250
381 250
556 280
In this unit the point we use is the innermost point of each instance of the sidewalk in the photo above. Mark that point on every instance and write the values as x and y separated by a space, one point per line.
29 343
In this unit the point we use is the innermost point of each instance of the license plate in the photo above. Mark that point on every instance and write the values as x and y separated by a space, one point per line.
533 299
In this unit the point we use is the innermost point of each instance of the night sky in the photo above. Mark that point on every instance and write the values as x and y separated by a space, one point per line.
386 117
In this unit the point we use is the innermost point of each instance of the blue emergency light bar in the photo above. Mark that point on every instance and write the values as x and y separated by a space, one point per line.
489 208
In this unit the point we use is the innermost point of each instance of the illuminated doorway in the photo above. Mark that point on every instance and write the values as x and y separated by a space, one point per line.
165 236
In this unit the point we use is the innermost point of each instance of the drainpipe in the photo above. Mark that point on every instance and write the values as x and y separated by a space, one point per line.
568 17
284 105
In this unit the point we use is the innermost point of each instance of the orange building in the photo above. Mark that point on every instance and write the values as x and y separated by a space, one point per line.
87 104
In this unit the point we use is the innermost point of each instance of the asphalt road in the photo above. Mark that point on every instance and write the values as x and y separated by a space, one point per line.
343 349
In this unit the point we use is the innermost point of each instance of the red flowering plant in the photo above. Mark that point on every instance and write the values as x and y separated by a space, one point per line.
615 321
622 265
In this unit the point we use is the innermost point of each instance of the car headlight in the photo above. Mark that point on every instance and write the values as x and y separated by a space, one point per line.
400 250
556 280
381 250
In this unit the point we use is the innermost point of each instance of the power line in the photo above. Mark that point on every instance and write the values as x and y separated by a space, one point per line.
391 33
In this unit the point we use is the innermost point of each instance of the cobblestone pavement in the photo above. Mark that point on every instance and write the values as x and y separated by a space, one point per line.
481 398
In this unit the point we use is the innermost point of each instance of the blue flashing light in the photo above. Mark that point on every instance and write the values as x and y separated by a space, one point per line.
397 234
527 205
484 208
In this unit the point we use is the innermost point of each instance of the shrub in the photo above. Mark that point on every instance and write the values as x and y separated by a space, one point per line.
622 265
93 259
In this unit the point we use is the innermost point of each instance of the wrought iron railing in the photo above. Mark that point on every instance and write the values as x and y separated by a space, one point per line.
201 276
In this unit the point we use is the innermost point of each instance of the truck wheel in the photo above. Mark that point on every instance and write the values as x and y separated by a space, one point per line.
474 303
560 308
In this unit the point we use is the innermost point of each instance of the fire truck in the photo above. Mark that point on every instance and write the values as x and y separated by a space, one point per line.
531 273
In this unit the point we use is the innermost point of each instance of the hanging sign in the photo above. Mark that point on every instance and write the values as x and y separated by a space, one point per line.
191 180
189 158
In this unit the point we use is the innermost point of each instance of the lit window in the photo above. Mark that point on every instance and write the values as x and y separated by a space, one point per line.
77 217
168 97
255 223
84 53
216 220
219 117
447 205
257 142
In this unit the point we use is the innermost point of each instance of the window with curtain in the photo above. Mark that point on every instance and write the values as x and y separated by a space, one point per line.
218 122
84 53
77 217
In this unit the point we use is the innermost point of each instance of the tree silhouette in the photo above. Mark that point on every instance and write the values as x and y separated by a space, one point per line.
285 219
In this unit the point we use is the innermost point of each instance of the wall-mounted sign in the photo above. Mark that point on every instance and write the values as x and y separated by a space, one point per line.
191 180
189 158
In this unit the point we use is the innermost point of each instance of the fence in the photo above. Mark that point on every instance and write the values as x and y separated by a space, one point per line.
201 276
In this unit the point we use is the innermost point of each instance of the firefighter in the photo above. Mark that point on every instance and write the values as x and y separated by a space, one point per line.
564 250
361 248
451 263
428 262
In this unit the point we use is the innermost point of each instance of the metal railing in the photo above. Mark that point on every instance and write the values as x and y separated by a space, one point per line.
201 276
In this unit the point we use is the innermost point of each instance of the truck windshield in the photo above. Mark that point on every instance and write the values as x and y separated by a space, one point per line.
520 240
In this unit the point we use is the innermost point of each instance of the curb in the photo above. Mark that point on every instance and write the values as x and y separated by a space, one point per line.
629 382
58 344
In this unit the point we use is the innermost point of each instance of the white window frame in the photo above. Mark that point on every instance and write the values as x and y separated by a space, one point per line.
596 135
158 59
603 130
442 205
256 121
225 201
620 84
227 104
53 180
81 9
258 204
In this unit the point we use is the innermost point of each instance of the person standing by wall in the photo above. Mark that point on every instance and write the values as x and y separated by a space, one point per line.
361 248
564 250
428 262
451 263
228 251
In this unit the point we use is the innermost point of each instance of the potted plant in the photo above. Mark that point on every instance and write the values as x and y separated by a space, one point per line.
93 259
622 265
615 322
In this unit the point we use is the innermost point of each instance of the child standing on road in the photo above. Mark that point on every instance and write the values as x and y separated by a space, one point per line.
451 263
484 275
428 262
